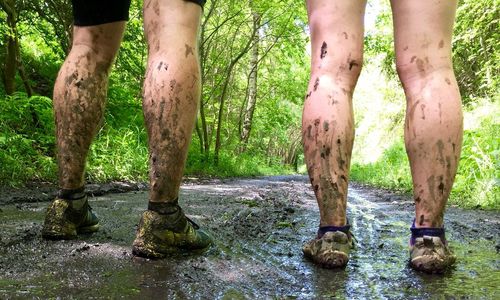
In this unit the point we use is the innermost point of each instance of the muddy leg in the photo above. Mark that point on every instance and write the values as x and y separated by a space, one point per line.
171 91
433 130
327 120
79 97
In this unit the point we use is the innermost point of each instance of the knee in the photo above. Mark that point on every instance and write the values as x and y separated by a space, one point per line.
413 69
342 69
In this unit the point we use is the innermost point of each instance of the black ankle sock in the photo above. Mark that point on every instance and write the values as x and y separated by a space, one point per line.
75 194
164 208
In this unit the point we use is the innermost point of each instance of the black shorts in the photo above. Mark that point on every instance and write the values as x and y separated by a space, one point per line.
97 12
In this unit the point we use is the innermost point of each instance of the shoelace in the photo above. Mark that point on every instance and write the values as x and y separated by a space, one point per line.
195 226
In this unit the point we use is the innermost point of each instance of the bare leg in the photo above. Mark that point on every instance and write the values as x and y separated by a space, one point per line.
433 130
170 101
171 91
79 97
327 120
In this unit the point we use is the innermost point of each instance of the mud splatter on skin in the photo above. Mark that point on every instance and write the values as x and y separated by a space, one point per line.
332 198
417 200
325 152
441 44
340 160
345 35
156 8
420 65
189 50
441 186
422 108
324 50
325 126
406 48
309 134
440 146
316 84
79 108
430 186
448 81
411 116
352 64
165 97
316 129
440 113
413 59
426 43
308 95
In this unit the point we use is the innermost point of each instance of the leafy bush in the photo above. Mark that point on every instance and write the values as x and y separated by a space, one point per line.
476 50
26 139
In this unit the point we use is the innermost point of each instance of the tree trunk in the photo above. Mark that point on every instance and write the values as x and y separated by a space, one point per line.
13 61
223 95
9 73
200 136
22 72
204 140
252 87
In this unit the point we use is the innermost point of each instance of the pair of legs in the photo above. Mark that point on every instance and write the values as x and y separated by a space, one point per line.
170 95
433 127
170 100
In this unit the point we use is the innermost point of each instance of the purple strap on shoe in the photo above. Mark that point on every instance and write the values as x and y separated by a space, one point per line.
429 231
324 229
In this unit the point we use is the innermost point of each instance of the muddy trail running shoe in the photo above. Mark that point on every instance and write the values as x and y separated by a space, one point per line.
160 235
330 249
429 251
65 219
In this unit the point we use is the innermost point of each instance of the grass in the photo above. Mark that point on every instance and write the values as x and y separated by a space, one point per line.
119 152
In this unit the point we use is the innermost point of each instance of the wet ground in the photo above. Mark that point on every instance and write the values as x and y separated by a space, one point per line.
259 226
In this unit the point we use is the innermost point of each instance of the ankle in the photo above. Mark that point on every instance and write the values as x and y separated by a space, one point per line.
164 208
77 198
418 232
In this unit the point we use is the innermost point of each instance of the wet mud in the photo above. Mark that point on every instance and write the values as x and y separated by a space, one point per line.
259 226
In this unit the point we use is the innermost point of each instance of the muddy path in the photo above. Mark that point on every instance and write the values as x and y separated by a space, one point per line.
259 226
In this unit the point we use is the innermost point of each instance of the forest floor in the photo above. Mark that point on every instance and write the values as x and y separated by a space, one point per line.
259 226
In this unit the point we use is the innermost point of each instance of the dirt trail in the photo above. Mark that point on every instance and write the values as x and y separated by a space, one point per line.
260 226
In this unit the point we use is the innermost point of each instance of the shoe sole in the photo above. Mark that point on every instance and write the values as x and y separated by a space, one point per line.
57 235
139 249
332 259
88 229
147 252
428 265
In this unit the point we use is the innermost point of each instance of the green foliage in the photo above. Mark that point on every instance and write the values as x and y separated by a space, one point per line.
233 165
118 154
26 139
478 178
477 182
391 170
476 48
379 42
